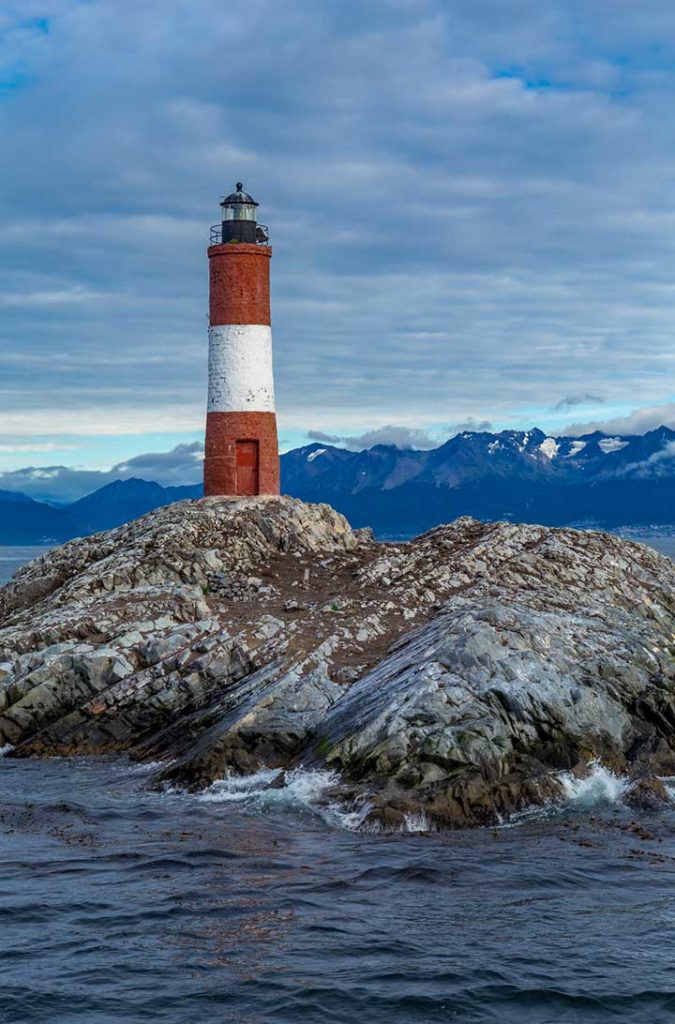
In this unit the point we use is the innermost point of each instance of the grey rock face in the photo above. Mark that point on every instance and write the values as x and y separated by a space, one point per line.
264 720
454 674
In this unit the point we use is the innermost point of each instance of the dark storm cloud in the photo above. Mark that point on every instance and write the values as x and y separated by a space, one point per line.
471 204
469 426
572 401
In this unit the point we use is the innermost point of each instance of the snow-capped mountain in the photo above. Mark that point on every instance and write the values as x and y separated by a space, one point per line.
520 475
529 476
528 454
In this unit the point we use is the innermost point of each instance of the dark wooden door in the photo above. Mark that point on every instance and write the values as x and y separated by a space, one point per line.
247 467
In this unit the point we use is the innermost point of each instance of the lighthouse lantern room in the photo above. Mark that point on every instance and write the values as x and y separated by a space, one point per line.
239 216
242 455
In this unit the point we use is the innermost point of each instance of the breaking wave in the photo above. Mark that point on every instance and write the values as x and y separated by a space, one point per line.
669 782
599 788
418 823
273 789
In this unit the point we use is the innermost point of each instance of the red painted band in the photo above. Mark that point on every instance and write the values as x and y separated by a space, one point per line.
239 287
222 475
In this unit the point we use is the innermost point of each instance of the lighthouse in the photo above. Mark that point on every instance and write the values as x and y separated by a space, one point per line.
242 452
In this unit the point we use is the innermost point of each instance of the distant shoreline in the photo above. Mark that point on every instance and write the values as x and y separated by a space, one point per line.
12 557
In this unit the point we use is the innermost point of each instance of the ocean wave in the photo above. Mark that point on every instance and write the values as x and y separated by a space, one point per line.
417 823
669 782
600 787
145 767
273 789
301 790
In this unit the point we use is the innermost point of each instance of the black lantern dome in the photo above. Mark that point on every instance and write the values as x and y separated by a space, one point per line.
239 217
239 198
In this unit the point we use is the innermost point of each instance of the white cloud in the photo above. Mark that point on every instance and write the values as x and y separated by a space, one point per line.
470 205
100 421
180 466
34 446
655 465
470 425
638 422
400 436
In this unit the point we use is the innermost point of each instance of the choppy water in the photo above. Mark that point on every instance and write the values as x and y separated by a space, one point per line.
122 905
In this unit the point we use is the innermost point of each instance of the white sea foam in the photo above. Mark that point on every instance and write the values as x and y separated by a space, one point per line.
417 823
235 788
143 767
669 783
307 791
302 790
601 786
7 749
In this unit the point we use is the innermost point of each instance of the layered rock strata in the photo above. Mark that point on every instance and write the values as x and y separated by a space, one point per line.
455 674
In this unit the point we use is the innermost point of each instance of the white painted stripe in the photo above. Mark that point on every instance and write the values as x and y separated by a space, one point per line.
240 368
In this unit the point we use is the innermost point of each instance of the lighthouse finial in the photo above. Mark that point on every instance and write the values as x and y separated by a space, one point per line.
240 186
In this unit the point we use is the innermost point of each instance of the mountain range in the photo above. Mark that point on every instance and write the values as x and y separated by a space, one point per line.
525 476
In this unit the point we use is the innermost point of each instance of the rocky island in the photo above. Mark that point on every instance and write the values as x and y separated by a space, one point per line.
455 675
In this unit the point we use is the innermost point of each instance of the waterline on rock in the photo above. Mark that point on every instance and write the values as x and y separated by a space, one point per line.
669 782
273 789
240 787
600 788
300 790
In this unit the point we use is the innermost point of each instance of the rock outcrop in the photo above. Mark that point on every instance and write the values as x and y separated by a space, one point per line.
454 675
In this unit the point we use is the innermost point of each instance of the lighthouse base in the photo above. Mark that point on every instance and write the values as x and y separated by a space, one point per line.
242 454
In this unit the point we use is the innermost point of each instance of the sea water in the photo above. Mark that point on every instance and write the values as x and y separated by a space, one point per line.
250 905
12 558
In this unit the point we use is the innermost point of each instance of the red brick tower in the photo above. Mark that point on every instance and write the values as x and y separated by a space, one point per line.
242 453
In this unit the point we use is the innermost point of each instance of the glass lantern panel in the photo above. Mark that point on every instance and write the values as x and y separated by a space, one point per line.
239 211
244 212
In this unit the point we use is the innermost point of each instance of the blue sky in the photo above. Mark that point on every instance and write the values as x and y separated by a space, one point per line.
471 202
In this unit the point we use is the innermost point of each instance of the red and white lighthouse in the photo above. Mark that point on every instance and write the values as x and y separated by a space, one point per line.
242 452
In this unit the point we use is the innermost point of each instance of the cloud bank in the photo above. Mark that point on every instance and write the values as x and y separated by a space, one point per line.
401 437
470 203
182 465
640 421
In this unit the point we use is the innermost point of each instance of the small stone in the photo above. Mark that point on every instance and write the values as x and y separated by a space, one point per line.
347 674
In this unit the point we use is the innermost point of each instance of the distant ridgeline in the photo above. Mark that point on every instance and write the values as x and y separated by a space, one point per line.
593 480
